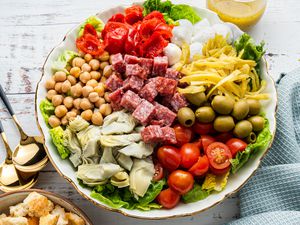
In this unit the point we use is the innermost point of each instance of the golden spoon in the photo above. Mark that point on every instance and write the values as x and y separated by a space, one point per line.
10 179
29 155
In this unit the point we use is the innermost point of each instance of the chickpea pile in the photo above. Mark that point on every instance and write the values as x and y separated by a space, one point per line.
81 92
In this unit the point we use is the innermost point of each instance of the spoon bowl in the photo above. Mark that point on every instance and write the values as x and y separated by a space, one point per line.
30 154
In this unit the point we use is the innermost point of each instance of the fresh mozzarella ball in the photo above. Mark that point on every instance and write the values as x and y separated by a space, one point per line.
182 33
173 52
204 23
224 30
195 48
204 35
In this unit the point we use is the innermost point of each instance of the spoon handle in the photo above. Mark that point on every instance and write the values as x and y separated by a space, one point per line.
8 150
6 102
11 112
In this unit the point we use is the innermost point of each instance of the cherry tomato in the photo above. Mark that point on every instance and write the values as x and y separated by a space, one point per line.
169 157
119 17
203 128
111 26
181 181
219 172
218 155
132 42
224 137
183 134
168 198
165 30
190 153
133 14
159 172
236 145
206 141
200 167
153 46
155 14
89 43
147 28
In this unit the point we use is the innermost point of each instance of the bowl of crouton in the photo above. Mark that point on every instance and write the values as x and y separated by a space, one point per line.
38 207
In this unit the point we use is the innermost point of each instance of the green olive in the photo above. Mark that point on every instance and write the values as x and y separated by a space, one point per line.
251 138
186 117
223 123
196 99
240 109
205 114
257 122
254 106
242 129
222 104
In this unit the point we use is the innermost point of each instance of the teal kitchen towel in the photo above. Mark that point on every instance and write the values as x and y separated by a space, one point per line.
272 195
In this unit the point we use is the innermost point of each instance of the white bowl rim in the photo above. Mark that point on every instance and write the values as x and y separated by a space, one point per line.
121 210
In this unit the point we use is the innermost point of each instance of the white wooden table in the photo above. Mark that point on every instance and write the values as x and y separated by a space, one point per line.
30 29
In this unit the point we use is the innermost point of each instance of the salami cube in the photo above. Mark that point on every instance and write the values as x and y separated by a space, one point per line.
113 82
130 100
131 59
116 96
165 86
144 112
160 65
147 65
133 83
178 101
166 101
172 74
169 135
149 91
117 63
164 115
152 134
135 70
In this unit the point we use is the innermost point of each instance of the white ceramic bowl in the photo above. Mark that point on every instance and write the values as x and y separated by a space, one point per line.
15 197
66 170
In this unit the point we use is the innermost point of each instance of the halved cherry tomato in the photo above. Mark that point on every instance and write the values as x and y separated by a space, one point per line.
147 27
165 30
155 14
181 181
169 157
132 42
119 17
224 137
133 14
219 156
183 134
236 145
89 43
206 140
153 46
203 128
89 29
111 26
168 198
200 167
190 153
159 172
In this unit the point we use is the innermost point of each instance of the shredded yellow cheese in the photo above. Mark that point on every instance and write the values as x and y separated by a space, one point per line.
221 69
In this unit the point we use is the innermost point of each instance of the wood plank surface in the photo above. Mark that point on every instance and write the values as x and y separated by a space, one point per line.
30 29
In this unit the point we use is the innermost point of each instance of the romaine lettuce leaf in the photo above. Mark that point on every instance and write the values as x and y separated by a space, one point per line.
122 197
184 12
195 195
262 141
47 109
95 22
63 60
250 50
214 182
57 135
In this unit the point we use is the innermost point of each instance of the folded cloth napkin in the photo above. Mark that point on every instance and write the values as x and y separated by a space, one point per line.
272 195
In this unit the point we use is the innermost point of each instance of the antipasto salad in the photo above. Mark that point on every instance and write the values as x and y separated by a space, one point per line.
157 106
